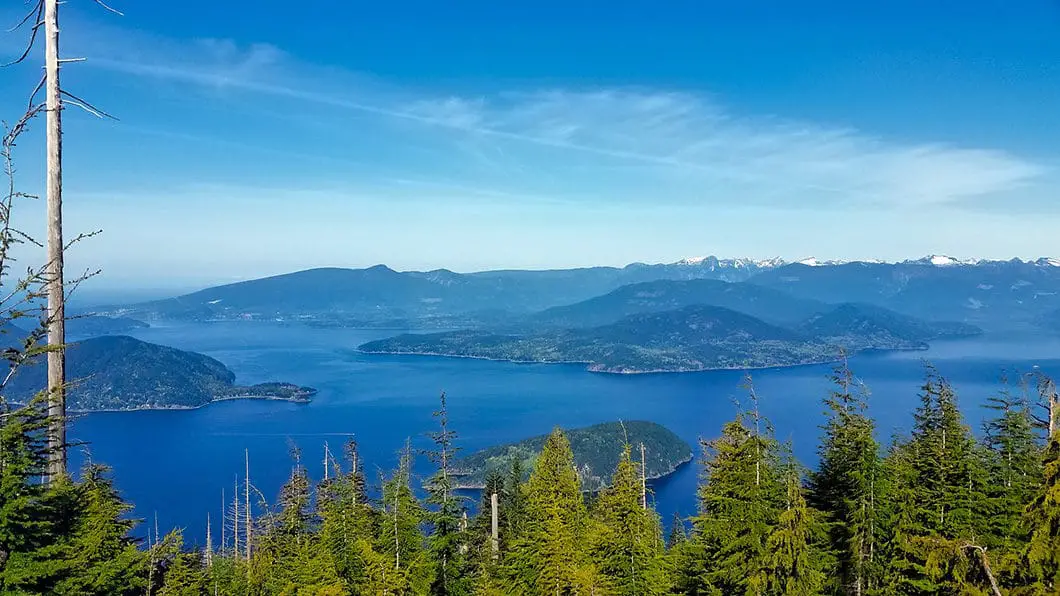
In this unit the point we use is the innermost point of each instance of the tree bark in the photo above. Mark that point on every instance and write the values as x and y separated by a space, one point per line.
494 537
56 298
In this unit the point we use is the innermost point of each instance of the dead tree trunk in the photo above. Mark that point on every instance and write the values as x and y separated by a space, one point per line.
209 542
494 534
643 479
56 298
247 504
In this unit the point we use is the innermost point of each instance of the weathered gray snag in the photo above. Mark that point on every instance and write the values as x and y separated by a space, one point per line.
494 537
54 199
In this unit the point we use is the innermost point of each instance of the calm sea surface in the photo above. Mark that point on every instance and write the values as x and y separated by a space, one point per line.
176 463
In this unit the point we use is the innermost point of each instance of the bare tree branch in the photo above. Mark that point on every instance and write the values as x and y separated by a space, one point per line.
33 11
117 12
33 34
84 105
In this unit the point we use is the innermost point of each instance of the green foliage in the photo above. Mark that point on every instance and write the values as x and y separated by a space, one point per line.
936 485
447 543
793 565
846 486
942 513
739 506
595 455
627 545
1043 516
549 554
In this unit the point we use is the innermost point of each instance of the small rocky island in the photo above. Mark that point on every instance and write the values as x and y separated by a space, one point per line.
596 450
124 373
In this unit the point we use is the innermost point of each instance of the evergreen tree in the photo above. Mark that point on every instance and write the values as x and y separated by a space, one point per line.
97 556
1014 466
628 547
184 573
549 550
447 542
678 534
512 504
1043 517
347 519
404 566
845 487
936 489
739 504
25 525
793 565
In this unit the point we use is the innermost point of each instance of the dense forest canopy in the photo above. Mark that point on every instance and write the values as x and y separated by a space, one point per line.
939 510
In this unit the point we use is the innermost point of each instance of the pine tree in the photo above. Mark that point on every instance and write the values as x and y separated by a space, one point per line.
347 519
678 534
447 541
628 547
845 487
549 550
25 525
184 573
1043 517
96 555
739 504
793 565
404 565
1014 469
512 503
936 486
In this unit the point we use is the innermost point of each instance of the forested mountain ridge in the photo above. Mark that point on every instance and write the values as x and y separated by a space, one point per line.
995 293
693 338
657 296
998 294
597 450
123 373
379 295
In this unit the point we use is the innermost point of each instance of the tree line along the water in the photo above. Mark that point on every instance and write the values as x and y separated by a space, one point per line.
935 511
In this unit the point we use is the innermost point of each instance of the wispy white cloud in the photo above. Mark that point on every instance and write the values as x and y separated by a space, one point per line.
686 147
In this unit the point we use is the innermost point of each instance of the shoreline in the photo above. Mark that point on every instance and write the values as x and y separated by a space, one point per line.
198 407
589 365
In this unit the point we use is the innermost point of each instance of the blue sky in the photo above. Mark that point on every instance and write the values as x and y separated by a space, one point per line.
262 137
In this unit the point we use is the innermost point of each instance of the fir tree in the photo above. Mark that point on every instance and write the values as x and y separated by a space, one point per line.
739 503
405 565
678 534
628 546
548 551
512 503
845 487
936 489
447 542
347 519
1043 517
1014 468
97 556
793 565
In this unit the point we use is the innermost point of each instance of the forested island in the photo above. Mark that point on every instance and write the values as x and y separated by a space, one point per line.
692 338
596 450
124 373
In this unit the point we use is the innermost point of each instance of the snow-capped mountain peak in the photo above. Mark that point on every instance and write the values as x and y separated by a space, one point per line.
809 262
942 261
691 260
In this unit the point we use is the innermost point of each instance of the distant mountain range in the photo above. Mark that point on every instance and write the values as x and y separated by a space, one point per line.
987 293
690 338
123 373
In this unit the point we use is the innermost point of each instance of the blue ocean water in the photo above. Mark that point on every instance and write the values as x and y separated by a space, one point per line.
175 464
